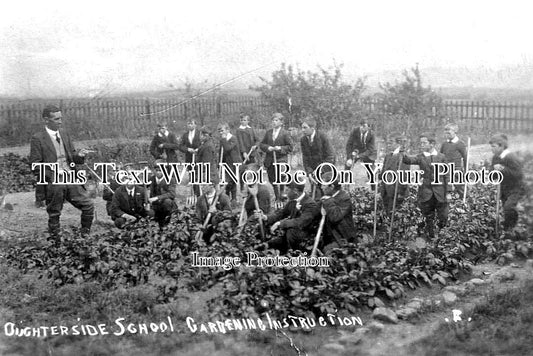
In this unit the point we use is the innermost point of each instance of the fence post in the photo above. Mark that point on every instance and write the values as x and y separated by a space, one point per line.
147 108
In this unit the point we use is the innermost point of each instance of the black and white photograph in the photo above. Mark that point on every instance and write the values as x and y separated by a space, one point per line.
266 178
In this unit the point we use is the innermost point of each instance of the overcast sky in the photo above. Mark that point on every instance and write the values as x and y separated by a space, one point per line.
54 48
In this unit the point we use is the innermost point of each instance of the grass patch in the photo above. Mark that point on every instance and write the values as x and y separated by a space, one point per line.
501 325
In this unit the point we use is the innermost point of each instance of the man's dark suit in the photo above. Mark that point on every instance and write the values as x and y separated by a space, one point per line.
42 150
299 222
170 145
285 142
431 197
366 148
339 223
123 203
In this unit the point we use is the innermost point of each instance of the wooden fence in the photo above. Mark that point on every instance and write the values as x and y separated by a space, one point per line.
107 118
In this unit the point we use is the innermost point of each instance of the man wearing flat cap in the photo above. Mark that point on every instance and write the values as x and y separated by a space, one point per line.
298 220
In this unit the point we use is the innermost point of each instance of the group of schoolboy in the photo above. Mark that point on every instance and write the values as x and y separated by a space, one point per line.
297 220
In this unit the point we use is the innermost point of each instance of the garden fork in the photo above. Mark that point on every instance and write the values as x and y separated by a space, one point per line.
278 204
192 199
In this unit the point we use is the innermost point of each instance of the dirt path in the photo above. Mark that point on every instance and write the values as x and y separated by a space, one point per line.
397 339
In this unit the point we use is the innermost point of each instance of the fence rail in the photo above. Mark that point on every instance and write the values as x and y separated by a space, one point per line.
106 118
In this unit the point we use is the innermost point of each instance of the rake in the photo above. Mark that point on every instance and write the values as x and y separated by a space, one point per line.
374 231
248 156
242 220
498 193
395 197
319 232
253 192
192 199
261 226
466 169
147 205
278 204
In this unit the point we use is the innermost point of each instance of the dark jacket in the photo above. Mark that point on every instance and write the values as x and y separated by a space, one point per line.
427 189
513 175
207 154
185 144
305 218
283 140
390 163
230 151
42 150
170 145
202 209
366 149
263 200
317 152
122 203
454 153
246 138
162 190
339 218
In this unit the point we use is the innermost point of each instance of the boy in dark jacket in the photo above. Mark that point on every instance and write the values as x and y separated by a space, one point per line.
392 162
276 142
454 150
299 219
431 197
339 225
162 195
229 154
247 140
316 149
512 188
128 204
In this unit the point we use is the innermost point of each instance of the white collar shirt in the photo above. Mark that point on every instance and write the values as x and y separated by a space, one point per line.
432 153
53 134
131 191
275 133
312 137
504 153
454 140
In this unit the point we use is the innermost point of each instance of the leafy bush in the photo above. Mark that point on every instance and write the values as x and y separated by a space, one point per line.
407 107
15 174
323 94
